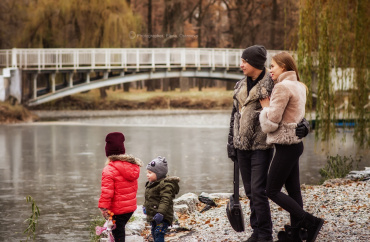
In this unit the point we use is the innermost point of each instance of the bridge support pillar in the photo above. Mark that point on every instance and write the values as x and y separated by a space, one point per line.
11 84
34 81
88 77
53 82
105 76
4 88
70 81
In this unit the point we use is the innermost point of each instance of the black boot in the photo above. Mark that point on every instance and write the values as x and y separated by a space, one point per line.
287 235
282 236
291 234
313 225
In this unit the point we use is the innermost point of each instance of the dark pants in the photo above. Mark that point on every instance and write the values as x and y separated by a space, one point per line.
253 167
159 230
284 170
121 221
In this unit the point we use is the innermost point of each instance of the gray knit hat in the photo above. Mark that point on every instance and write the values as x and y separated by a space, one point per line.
256 56
159 167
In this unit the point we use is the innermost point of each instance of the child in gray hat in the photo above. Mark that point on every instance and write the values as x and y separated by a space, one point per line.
160 190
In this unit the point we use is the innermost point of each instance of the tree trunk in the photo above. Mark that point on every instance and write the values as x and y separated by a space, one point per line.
230 85
200 84
173 83
103 92
149 85
200 25
166 84
150 44
274 15
184 84
126 87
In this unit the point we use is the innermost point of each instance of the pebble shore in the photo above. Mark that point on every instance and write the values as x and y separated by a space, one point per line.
342 203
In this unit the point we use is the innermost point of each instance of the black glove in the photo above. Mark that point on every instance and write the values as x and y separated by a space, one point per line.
231 151
302 129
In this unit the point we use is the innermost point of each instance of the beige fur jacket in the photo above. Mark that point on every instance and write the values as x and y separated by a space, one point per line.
286 110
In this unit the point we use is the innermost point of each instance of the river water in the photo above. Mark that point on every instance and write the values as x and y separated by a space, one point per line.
59 164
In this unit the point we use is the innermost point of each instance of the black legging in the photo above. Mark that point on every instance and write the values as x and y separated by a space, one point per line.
284 170
121 221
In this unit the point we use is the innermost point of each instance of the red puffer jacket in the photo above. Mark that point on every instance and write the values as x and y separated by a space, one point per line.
119 184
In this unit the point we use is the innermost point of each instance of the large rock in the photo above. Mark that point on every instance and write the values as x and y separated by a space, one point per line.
220 195
363 175
223 195
136 223
134 238
182 208
188 199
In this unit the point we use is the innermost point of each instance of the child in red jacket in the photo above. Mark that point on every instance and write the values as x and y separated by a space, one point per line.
119 183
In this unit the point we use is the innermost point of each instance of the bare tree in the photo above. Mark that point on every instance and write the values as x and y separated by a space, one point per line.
173 23
261 22
11 21
150 31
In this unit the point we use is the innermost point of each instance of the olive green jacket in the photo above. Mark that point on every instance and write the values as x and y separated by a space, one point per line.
159 197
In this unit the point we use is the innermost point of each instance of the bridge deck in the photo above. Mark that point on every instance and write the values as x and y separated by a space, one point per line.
132 64
125 58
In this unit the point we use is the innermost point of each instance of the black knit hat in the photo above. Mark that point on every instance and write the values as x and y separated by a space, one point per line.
255 55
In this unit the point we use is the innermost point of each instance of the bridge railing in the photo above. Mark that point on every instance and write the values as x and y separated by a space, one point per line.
67 59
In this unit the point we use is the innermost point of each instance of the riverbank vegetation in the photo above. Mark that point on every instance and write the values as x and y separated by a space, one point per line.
15 113
208 98
95 221
338 167
32 220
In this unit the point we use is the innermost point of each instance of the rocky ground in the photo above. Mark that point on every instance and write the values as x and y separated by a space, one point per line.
343 203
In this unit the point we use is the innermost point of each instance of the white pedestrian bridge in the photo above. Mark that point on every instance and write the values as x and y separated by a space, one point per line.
21 68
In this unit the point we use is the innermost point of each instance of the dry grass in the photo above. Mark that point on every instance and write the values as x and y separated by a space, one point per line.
142 94
14 113
209 98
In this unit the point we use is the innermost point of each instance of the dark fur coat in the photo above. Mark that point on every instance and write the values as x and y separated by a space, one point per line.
245 127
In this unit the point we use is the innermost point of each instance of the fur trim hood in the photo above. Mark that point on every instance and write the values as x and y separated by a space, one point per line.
172 179
125 157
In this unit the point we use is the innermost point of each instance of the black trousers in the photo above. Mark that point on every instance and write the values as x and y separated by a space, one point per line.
284 170
121 221
253 167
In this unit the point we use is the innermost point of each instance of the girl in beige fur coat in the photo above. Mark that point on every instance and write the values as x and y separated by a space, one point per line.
279 117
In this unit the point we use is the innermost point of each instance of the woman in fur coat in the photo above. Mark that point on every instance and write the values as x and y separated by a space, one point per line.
119 183
279 118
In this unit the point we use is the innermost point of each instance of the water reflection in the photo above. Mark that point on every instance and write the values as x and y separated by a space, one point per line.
60 164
